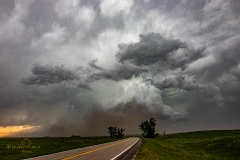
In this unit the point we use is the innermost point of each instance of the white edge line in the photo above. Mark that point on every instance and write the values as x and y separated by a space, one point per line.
124 151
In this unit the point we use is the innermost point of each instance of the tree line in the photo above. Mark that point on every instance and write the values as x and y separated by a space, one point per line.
147 128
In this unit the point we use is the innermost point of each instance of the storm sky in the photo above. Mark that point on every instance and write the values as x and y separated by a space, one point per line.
78 67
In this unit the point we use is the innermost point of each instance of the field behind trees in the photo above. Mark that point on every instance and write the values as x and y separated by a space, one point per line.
219 144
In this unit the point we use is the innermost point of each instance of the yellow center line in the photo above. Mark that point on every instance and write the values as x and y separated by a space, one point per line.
80 154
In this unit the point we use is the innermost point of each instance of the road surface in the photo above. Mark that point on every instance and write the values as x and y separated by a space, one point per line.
107 151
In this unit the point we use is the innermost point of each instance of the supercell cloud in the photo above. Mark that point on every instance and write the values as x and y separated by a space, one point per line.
78 67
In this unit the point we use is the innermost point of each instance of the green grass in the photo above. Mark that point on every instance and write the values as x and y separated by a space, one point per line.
220 144
44 146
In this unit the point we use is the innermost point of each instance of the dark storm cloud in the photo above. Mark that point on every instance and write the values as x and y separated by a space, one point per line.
94 65
120 72
226 58
84 86
185 82
183 57
193 54
151 48
48 74
177 57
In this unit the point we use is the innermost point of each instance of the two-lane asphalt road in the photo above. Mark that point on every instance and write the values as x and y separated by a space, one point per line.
106 151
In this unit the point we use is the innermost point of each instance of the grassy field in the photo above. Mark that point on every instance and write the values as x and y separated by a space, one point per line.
19 148
221 144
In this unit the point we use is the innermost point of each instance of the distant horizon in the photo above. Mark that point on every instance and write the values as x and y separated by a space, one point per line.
107 135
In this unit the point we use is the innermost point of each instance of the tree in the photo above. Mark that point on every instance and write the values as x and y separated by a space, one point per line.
115 132
111 131
120 132
148 128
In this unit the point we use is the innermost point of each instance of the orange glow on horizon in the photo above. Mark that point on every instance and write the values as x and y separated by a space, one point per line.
14 130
